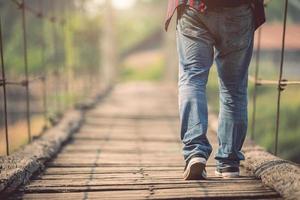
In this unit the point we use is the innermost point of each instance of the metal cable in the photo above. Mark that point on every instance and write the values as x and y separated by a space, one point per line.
280 89
4 90
26 71
255 81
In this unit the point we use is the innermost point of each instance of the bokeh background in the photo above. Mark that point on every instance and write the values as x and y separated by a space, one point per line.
78 47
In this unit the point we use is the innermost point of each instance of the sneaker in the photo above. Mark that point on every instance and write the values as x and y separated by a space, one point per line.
228 172
195 169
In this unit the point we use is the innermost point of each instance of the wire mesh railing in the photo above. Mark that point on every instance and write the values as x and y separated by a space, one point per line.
281 82
58 83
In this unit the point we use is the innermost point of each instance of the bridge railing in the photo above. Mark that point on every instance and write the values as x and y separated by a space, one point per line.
281 83
58 84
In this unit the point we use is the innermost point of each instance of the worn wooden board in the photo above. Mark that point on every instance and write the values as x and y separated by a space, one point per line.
155 194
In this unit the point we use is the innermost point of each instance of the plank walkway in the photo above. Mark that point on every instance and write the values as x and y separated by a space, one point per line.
129 148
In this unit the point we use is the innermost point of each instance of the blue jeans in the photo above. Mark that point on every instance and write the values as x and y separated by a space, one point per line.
227 33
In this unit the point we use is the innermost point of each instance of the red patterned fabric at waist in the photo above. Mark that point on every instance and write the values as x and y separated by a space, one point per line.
257 6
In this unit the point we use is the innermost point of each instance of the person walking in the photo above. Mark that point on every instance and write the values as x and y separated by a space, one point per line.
206 30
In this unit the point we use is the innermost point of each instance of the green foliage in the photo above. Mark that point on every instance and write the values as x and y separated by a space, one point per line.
133 26
138 23
151 72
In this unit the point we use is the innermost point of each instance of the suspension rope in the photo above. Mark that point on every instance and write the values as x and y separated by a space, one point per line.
280 89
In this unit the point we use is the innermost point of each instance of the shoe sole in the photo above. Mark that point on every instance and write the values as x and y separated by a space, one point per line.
227 174
195 170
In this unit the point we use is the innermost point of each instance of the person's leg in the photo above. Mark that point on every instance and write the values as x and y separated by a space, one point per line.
233 55
195 50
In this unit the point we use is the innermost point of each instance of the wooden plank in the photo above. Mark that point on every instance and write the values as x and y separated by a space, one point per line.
120 148
157 156
187 193
198 193
141 181
182 187
99 170
110 142
89 138
137 194
111 174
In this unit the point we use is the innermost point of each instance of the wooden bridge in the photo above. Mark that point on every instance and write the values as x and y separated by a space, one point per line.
126 144
128 148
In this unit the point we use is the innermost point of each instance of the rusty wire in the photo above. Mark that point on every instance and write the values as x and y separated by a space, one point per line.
280 88
255 80
24 29
283 82
24 82
44 80
3 81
